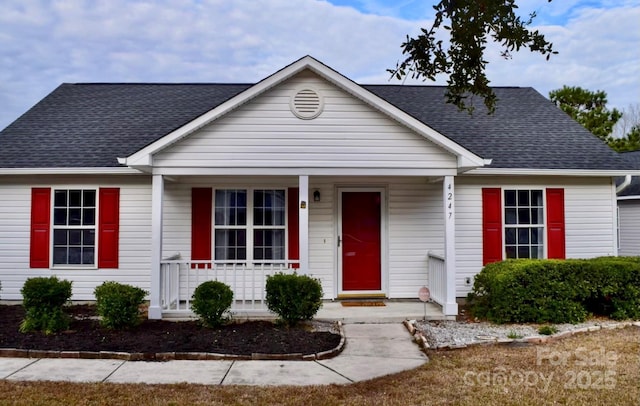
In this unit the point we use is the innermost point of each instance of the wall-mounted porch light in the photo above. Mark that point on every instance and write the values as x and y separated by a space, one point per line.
316 195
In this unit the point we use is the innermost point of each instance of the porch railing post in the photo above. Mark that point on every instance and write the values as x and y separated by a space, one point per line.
157 195
303 215
450 306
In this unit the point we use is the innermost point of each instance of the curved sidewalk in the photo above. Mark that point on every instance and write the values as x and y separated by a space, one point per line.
371 350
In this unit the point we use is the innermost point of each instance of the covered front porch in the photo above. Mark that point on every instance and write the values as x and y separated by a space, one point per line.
416 249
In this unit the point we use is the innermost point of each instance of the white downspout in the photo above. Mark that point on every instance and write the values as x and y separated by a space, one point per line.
623 185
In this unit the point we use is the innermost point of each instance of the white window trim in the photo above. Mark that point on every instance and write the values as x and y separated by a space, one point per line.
250 227
543 225
52 227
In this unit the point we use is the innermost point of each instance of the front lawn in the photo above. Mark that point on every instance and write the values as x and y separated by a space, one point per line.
602 367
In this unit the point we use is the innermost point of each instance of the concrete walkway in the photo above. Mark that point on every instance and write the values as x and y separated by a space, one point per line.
371 350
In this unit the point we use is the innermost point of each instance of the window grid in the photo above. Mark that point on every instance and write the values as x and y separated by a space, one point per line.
74 227
524 223
249 225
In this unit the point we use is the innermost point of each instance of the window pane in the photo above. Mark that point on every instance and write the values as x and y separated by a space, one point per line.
509 197
278 217
75 255
510 236
523 252
536 198
87 255
230 244
534 235
75 217
59 255
89 198
88 217
523 236
536 252
536 216
523 198
75 198
241 218
60 198
75 237
59 237
258 218
88 237
510 216
60 217
524 216
511 252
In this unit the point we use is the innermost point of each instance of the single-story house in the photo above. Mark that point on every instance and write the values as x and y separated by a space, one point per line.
629 209
376 190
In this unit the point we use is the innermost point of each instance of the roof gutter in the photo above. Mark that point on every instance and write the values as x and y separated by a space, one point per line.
623 185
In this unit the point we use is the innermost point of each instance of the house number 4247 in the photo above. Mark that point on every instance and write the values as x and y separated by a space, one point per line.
449 200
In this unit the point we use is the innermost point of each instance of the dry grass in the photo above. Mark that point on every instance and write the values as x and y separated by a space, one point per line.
488 375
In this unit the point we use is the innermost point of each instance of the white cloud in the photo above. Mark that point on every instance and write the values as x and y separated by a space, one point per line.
44 43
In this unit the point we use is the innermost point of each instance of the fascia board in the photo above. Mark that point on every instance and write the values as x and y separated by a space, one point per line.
69 171
550 172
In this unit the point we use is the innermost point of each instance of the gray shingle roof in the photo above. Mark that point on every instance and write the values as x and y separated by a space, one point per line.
90 125
634 188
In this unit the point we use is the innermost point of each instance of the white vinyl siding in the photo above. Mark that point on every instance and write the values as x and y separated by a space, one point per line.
265 133
589 218
629 220
134 242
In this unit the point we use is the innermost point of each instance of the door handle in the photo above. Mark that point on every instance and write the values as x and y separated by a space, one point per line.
339 240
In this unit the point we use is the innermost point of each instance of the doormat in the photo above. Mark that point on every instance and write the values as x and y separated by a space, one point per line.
360 303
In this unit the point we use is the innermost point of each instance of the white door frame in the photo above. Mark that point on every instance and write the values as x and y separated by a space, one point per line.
384 274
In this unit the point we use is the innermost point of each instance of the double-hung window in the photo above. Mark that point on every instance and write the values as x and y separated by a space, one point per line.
74 227
249 225
524 223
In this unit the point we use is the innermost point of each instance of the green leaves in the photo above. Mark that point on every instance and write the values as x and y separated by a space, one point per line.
469 24
587 108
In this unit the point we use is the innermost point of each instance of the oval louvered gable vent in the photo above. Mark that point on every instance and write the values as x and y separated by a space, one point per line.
306 104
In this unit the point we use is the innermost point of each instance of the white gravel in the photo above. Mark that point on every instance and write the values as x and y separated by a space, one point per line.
447 333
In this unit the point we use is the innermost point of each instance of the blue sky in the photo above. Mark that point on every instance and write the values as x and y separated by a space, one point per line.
44 43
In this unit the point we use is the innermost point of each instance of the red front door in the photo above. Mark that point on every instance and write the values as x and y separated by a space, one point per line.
361 239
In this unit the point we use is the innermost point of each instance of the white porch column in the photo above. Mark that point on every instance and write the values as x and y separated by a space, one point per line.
303 227
450 307
157 195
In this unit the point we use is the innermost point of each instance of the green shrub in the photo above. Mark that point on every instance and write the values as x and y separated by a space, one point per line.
118 304
293 297
42 299
211 301
547 330
557 291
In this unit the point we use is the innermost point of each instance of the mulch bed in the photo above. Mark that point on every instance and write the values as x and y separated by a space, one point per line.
158 336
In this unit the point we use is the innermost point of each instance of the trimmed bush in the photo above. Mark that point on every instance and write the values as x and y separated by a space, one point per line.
557 291
293 297
118 304
43 299
211 301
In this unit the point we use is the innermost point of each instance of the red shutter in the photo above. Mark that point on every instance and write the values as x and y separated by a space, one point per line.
491 225
108 227
201 205
555 224
293 223
40 223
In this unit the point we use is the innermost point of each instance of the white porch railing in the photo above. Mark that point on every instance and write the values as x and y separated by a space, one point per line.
179 278
437 278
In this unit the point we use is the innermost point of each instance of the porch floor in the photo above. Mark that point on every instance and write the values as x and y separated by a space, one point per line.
394 311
